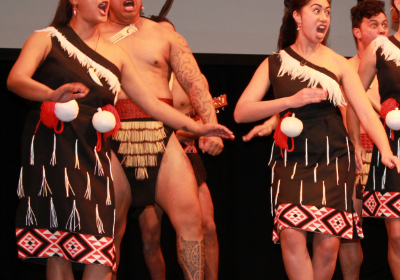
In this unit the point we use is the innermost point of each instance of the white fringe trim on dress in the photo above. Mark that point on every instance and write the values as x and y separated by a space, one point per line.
277 192
45 186
292 67
74 220
67 183
88 193
20 190
85 61
53 215
108 199
99 222
389 50
30 216
76 155
53 160
294 171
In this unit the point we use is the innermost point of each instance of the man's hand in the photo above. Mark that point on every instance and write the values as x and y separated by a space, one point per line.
211 145
360 156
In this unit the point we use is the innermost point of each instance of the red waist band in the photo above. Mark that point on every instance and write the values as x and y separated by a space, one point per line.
127 109
366 142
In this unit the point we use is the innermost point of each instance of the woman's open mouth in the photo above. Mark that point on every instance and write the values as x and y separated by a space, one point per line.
103 8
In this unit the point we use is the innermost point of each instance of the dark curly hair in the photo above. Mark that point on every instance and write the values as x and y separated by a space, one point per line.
288 31
366 9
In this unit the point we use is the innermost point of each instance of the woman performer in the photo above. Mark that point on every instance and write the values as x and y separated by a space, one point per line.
67 207
381 197
312 185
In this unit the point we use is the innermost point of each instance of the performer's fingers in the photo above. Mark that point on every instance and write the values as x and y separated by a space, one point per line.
265 131
201 143
253 133
364 155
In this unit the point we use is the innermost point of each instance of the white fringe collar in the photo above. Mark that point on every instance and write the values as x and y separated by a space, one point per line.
85 61
292 67
389 50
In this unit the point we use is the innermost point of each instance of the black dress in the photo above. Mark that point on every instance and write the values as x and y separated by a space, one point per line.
381 198
67 205
312 188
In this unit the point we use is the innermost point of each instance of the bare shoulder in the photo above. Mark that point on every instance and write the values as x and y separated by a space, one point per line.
337 58
38 45
337 64
41 39
114 53
354 62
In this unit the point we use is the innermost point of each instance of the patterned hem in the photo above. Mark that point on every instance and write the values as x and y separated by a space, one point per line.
381 204
75 247
323 220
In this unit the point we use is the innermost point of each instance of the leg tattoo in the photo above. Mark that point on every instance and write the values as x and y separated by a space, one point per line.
191 258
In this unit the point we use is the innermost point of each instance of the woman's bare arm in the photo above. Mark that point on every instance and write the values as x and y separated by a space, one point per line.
355 92
20 79
250 108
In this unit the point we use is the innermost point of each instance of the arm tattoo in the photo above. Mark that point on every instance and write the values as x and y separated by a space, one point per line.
191 258
192 81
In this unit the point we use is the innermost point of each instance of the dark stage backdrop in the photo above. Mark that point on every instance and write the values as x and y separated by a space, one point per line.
239 181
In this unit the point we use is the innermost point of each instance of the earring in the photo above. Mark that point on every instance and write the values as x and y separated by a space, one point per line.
299 27
142 8
74 9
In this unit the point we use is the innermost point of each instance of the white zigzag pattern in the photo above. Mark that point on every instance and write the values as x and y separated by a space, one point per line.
85 61
389 50
293 68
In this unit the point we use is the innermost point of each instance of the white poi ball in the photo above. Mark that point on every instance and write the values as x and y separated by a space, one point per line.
103 121
67 111
393 119
291 126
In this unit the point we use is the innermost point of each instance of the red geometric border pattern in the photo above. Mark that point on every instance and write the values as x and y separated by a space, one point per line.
381 204
322 220
189 147
82 248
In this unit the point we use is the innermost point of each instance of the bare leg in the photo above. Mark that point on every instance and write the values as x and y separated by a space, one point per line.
350 251
393 229
325 248
295 254
177 195
150 226
58 269
351 257
123 200
97 272
210 234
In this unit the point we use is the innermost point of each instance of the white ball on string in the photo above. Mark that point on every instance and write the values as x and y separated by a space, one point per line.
291 126
103 121
67 111
393 119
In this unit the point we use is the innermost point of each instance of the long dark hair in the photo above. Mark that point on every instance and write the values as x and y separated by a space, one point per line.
63 14
288 32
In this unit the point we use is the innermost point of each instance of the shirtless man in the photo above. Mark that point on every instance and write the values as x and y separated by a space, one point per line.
368 21
156 52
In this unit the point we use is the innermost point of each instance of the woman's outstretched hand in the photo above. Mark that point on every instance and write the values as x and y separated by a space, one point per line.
391 162
69 92
214 129
307 96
